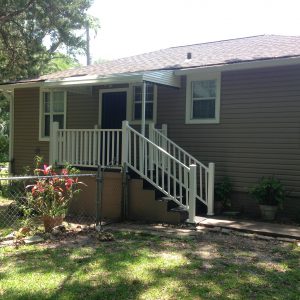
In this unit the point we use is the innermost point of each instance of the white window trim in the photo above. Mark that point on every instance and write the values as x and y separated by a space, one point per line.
130 107
189 106
41 112
111 90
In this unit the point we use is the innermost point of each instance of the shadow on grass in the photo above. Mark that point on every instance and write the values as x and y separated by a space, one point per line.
147 267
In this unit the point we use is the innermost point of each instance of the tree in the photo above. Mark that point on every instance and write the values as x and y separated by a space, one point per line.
32 32
33 36
4 125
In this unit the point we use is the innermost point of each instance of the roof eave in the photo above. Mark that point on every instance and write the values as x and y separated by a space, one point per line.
165 77
254 64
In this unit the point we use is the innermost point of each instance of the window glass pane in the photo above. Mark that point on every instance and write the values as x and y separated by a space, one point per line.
60 120
58 101
204 109
137 111
137 91
149 92
204 89
47 125
149 111
46 97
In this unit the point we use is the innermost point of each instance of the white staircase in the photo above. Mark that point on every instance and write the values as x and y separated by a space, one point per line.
169 168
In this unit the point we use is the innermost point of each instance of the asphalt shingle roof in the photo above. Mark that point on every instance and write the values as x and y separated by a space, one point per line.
253 48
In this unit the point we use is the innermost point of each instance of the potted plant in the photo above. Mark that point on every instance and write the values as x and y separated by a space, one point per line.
49 197
223 191
269 193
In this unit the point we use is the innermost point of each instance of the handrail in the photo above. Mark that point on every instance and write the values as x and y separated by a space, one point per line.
203 173
87 147
159 148
171 177
89 130
195 160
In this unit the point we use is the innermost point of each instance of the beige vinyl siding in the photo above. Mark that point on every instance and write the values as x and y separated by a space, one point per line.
26 129
259 130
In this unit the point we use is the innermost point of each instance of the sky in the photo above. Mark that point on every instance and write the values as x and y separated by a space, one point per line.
137 26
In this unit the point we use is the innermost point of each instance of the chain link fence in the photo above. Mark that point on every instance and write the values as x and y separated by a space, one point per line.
82 209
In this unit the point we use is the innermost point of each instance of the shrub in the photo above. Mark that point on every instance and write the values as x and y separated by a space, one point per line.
268 191
223 191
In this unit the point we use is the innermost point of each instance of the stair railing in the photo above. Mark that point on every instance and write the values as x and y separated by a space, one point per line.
204 174
165 172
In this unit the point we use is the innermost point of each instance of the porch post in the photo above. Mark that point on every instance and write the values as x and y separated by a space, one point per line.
53 144
192 193
164 129
211 184
124 154
143 108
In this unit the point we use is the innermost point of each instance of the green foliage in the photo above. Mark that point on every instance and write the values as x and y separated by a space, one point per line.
223 191
4 125
32 32
60 62
51 196
268 191
4 145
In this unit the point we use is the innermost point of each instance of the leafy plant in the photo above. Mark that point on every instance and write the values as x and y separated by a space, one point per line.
269 191
50 196
223 191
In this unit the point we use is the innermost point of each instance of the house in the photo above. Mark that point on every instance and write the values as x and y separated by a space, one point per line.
194 114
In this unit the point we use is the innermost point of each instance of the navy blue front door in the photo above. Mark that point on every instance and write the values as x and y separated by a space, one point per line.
113 110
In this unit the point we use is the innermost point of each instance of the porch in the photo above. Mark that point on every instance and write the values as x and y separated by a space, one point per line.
168 168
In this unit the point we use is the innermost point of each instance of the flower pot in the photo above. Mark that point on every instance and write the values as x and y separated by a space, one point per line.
51 222
268 212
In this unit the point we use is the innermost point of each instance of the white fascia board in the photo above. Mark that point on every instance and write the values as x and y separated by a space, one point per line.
276 62
94 80
165 77
77 81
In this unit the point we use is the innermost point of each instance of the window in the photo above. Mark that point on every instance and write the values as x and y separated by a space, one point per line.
53 109
203 99
150 102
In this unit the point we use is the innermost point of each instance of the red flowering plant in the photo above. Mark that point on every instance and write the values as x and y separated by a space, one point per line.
50 195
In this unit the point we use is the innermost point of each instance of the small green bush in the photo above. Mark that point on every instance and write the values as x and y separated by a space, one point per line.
223 191
268 191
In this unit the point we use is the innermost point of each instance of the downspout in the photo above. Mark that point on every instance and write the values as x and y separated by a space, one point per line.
143 109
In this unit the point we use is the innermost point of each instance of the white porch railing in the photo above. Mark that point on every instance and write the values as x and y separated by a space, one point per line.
204 174
87 147
158 160
161 169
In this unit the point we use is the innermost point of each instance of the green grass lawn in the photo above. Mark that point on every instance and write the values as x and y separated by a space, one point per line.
142 266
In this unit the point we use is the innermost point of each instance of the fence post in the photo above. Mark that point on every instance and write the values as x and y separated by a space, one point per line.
192 193
99 180
124 144
211 184
53 144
